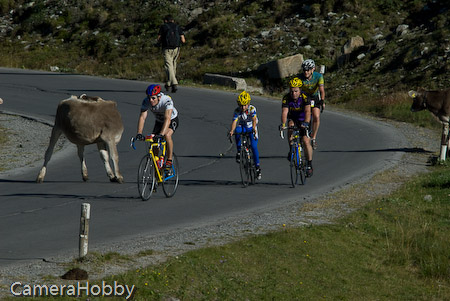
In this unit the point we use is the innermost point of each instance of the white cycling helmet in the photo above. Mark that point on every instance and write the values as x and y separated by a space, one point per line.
308 65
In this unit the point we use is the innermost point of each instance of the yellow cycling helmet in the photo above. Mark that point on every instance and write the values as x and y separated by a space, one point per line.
295 83
243 99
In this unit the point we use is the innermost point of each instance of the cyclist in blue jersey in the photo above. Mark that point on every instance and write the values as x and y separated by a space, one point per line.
313 87
166 117
296 110
244 121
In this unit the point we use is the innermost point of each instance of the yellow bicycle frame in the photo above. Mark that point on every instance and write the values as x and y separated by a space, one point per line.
299 143
156 145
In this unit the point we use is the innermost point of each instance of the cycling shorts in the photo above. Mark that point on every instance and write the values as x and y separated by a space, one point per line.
172 125
316 102
302 131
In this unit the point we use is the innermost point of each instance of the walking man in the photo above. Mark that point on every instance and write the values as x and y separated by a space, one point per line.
171 36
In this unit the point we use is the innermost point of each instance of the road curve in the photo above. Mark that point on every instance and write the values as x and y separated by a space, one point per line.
42 220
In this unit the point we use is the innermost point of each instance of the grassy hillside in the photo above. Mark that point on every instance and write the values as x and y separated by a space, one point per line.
117 39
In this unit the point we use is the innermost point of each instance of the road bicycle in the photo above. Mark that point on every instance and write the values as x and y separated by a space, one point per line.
297 157
153 171
247 166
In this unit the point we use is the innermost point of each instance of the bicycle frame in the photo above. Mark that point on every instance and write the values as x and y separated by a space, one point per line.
247 164
297 145
297 157
160 145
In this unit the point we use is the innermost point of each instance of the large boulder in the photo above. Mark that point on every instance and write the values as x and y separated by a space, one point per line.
352 44
284 67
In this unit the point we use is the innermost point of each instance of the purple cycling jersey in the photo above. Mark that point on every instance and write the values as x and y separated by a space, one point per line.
296 107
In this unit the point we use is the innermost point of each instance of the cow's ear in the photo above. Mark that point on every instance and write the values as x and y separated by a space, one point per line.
412 94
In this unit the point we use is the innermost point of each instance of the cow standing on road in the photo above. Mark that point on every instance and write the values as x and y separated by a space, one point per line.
438 103
87 120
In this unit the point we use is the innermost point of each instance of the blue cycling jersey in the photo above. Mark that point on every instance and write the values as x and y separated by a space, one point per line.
311 87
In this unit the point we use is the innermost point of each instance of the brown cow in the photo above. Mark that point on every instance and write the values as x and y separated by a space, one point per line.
87 120
438 103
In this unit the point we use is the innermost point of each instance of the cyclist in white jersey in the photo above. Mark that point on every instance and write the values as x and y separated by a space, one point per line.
166 117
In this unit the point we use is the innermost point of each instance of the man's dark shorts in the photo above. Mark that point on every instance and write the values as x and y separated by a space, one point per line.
173 125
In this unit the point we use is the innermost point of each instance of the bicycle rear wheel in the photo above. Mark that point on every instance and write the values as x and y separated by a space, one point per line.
170 181
294 166
244 166
146 179
252 167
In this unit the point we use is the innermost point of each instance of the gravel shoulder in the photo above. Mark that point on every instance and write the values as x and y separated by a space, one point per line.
27 141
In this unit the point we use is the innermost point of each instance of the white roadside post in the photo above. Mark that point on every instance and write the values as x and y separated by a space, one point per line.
322 69
84 229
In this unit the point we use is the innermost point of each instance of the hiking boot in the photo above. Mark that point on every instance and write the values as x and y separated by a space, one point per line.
258 173
167 87
238 157
174 88
313 143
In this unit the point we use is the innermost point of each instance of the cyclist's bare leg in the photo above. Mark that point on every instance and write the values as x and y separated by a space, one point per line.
308 148
316 122
290 124
169 142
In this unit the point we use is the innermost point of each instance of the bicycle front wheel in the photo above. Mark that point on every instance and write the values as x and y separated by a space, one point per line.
244 167
302 166
170 178
146 179
294 165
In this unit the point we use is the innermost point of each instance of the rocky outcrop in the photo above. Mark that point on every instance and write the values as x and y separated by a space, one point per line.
284 67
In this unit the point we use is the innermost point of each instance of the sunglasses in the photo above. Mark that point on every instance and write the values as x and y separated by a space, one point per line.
154 97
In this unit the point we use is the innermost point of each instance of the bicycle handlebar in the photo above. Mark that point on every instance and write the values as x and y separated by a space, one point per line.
155 138
295 128
242 134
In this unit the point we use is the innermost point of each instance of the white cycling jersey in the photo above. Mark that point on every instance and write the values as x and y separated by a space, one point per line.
159 111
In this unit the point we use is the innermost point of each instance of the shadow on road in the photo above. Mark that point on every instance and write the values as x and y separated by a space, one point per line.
417 150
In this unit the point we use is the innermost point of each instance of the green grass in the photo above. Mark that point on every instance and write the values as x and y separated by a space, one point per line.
394 248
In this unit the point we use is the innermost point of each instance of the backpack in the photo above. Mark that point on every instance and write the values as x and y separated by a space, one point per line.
172 36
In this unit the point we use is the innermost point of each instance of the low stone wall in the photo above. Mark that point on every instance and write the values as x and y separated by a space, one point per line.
223 80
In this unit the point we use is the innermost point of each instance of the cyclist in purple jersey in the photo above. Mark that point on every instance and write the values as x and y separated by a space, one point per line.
296 110
313 87
244 121
166 117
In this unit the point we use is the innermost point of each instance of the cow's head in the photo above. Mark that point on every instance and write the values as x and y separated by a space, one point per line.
419 100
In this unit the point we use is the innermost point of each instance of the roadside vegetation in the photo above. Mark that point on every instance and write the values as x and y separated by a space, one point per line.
393 248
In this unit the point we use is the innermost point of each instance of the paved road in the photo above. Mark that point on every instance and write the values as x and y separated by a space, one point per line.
42 220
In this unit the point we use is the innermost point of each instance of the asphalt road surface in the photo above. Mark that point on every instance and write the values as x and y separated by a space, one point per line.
42 220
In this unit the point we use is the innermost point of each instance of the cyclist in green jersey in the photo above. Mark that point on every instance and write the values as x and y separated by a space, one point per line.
313 87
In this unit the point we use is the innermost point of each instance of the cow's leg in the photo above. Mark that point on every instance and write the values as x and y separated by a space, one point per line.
444 141
112 150
105 158
56 133
84 171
